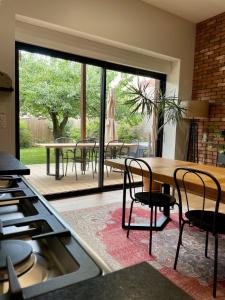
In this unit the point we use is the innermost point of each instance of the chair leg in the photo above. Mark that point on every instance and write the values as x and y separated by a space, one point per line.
178 245
150 237
215 266
92 166
66 166
206 244
179 217
155 215
131 208
63 167
95 162
75 167
107 172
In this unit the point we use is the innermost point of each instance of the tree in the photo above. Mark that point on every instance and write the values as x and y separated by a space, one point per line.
49 87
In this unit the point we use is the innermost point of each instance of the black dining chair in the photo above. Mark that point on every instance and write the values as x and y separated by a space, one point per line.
149 198
113 149
210 221
65 154
85 155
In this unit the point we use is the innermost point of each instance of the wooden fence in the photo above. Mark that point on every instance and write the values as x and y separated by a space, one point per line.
40 129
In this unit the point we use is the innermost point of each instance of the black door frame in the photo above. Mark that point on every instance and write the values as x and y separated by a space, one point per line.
104 65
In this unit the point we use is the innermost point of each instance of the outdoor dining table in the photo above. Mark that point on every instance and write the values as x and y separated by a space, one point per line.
59 146
162 171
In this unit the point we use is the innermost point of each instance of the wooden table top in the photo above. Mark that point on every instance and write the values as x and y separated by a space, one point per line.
163 170
81 145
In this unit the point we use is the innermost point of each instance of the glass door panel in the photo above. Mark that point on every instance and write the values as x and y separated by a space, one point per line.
59 105
128 133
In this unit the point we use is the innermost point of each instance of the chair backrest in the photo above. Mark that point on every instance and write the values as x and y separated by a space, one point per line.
187 180
134 150
64 139
91 141
144 171
114 148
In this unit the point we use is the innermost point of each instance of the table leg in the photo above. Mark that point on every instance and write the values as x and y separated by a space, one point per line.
166 190
48 161
57 164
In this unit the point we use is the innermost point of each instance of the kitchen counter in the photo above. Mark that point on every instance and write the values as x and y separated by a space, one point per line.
9 165
141 281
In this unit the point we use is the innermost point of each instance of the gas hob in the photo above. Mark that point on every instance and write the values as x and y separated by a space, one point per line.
38 253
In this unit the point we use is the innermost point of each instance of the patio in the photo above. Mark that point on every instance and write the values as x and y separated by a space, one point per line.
48 185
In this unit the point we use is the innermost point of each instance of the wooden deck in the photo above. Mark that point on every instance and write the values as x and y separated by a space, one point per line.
48 185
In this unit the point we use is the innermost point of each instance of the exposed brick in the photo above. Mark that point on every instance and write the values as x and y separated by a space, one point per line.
209 80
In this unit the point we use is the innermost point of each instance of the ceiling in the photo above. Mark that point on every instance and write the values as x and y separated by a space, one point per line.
192 10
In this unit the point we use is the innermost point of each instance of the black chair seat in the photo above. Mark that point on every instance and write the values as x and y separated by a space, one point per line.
204 220
157 199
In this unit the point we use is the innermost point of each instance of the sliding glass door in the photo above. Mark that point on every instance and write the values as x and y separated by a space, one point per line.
72 114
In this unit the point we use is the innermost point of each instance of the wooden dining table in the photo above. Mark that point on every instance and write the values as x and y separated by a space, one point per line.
59 146
162 171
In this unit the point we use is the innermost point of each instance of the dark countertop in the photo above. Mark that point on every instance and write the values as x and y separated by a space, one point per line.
141 281
9 165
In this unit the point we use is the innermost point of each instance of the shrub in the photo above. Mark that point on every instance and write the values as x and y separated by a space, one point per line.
93 127
126 132
75 133
92 130
25 135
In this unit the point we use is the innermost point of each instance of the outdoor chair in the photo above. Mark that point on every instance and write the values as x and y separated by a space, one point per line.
67 154
149 198
210 221
124 151
113 149
85 155
143 150
134 150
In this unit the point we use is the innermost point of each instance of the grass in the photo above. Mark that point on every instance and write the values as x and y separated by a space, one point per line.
34 155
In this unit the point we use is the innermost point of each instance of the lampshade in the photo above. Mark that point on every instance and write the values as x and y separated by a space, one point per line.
196 109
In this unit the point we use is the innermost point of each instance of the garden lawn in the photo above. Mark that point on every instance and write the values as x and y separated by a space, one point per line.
34 155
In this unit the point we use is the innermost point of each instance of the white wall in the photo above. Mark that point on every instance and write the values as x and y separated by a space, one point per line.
7 101
127 32
49 38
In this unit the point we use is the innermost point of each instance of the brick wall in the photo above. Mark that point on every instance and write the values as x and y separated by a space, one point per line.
209 81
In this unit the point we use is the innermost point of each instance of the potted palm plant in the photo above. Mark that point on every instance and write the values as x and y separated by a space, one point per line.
152 102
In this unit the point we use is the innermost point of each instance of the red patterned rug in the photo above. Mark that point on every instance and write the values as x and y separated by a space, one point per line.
101 228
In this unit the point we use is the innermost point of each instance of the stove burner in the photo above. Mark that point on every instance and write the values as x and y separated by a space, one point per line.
20 253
